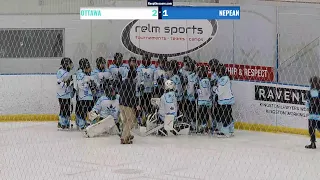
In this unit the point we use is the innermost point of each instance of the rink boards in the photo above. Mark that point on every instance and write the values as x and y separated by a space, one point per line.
259 106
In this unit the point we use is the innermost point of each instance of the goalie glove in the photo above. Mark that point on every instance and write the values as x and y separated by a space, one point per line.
93 115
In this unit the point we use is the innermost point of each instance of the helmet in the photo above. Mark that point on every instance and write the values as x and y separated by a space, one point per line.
193 66
186 59
109 89
173 66
99 61
132 59
146 60
213 62
169 85
66 63
84 64
118 57
203 72
162 59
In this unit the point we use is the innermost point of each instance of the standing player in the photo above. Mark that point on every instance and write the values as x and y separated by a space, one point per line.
185 70
145 85
225 101
100 73
85 86
173 75
159 76
204 100
191 94
168 102
118 70
64 92
214 63
313 103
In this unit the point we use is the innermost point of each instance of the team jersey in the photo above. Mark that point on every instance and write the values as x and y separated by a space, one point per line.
145 77
313 104
204 92
98 76
64 90
190 92
214 77
168 105
179 91
159 74
84 91
105 106
224 91
184 73
116 70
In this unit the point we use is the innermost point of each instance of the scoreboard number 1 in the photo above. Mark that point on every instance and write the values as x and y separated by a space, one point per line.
165 13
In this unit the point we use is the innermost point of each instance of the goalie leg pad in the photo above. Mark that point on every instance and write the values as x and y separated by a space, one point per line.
104 126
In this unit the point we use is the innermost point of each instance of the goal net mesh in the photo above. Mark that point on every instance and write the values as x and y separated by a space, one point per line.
270 55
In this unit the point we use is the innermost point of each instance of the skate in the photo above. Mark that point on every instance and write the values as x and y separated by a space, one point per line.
311 146
131 137
224 133
126 141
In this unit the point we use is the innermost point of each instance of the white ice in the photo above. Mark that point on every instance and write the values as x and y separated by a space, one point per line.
30 151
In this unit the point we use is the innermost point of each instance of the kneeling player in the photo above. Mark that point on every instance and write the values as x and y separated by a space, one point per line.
105 113
313 101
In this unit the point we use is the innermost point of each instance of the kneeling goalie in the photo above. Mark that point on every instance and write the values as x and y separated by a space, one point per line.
105 113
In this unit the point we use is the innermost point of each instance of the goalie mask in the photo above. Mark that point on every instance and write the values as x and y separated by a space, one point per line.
84 65
146 60
66 64
109 90
118 57
101 63
169 86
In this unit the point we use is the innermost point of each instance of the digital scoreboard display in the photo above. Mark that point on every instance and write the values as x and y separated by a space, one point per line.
157 10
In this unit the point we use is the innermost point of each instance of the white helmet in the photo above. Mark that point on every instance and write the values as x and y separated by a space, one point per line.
169 85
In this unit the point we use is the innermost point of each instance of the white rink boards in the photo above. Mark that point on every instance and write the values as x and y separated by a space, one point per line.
38 151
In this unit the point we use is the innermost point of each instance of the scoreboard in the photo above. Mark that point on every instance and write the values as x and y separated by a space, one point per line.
162 12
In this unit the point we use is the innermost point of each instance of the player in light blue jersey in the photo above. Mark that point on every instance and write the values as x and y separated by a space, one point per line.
100 74
191 95
214 63
107 104
65 92
204 99
145 83
173 75
85 88
159 76
118 70
225 101
168 101
185 70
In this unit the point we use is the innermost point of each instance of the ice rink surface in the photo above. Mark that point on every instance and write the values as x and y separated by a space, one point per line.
30 151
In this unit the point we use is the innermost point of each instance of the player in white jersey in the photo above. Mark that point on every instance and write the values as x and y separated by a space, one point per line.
159 76
145 86
100 74
65 92
85 86
204 100
190 93
225 101
105 113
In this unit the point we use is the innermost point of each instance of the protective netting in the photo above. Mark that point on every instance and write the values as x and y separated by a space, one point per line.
267 58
